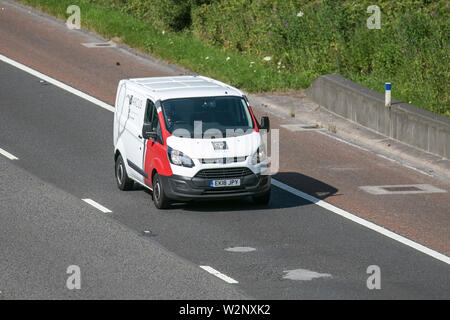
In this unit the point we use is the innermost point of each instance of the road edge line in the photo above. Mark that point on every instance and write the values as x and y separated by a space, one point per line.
363 222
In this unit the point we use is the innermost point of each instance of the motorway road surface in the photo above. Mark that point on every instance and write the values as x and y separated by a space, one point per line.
44 230
64 146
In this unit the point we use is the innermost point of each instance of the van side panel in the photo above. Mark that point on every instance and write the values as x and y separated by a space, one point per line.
120 99
131 120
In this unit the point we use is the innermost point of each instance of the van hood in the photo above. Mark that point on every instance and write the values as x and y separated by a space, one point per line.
240 146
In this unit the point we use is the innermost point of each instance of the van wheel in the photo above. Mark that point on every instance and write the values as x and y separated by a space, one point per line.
123 182
263 199
159 197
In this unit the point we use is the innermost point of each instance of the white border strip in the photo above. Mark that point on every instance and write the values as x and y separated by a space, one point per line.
56 83
8 155
321 203
97 205
363 222
218 274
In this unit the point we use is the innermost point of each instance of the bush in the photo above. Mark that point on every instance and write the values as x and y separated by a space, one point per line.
174 15
304 38
410 50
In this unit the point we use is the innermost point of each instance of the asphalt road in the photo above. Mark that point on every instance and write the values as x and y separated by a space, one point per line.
66 142
44 230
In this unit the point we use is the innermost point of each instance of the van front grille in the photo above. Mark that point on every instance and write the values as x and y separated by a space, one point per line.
222 160
224 173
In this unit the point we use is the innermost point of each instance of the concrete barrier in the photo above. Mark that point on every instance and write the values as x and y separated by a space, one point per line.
414 126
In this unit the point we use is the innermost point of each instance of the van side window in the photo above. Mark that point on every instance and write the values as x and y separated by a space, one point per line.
150 109
159 133
155 119
151 116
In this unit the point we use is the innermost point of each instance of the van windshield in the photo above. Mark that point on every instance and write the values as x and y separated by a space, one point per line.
209 117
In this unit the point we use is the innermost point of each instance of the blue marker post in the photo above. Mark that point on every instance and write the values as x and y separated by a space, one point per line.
387 94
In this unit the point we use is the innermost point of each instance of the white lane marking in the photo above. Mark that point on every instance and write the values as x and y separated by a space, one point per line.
402 189
304 275
57 83
218 274
8 155
97 205
240 249
276 183
363 222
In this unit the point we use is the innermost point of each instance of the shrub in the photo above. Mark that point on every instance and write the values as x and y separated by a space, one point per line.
304 38
410 50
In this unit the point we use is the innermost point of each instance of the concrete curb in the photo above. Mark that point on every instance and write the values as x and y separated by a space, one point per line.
404 122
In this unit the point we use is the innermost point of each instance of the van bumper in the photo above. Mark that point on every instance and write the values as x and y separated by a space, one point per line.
181 188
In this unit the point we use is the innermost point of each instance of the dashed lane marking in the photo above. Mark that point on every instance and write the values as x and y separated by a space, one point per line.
97 205
240 249
218 274
8 155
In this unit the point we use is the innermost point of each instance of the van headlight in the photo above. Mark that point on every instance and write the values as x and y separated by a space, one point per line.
179 158
260 155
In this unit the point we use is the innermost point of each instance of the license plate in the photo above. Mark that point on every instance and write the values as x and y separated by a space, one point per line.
224 183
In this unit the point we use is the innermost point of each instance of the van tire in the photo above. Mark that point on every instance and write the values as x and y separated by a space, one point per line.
159 197
263 199
123 181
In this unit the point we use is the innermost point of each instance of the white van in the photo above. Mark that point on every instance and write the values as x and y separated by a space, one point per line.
189 138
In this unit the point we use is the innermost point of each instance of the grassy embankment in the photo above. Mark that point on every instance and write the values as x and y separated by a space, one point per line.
229 39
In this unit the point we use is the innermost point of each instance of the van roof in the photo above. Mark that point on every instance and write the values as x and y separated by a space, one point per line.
164 88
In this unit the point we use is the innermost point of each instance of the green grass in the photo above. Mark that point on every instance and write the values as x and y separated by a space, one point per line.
228 39
245 71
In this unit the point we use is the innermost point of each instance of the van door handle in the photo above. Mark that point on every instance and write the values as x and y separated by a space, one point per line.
139 136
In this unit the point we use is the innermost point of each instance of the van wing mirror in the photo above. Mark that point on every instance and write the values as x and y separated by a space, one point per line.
147 131
265 123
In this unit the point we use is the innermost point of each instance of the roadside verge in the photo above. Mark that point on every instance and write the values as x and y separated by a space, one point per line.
404 122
